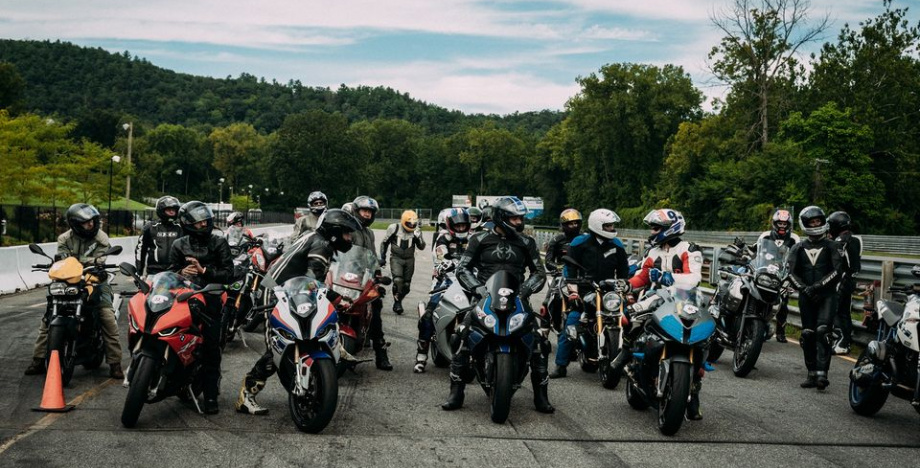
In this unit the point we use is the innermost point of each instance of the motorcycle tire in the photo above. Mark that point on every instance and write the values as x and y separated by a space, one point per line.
312 413
502 388
351 346
57 339
715 351
98 353
750 343
586 365
440 361
610 378
634 397
141 378
226 323
253 325
673 405
866 400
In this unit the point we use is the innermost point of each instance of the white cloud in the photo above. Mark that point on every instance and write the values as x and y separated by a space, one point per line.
623 34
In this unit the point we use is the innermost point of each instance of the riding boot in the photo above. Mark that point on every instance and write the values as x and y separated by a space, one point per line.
397 306
381 359
421 356
821 381
781 332
246 403
455 400
693 406
559 373
810 381
541 394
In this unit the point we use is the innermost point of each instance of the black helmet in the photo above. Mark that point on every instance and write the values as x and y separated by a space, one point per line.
317 202
809 214
165 203
365 202
838 222
192 213
234 218
333 224
475 217
457 223
80 213
782 216
503 210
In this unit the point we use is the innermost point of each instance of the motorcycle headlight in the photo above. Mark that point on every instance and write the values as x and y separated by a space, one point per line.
57 289
767 281
169 331
612 302
133 323
516 321
286 334
489 321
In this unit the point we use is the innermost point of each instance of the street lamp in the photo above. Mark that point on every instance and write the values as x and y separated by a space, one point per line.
220 190
114 159
129 127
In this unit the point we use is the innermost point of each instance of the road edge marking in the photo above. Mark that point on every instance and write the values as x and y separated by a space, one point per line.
845 358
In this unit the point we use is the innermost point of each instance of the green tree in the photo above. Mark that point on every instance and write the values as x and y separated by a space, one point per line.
12 88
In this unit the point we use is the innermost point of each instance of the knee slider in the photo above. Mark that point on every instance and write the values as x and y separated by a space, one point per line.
808 336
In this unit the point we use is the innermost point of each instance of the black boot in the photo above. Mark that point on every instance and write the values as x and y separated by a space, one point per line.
821 380
781 332
381 359
397 306
541 398
811 381
559 373
693 406
455 400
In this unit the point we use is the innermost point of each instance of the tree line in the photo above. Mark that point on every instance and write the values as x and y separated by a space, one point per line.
841 132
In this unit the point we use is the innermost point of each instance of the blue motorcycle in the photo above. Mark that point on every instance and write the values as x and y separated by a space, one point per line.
501 339
677 328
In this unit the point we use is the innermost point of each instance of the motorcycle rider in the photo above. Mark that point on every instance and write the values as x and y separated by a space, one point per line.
670 261
204 257
365 210
840 229
504 247
604 257
85 241
476 219
156 238
570 221
405 236
781 233
317 202
309 256
815 268
449 247
236 234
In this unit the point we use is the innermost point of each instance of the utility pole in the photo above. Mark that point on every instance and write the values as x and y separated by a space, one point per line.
130 128
819 188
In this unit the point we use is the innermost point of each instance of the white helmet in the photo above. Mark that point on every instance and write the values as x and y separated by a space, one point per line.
598 218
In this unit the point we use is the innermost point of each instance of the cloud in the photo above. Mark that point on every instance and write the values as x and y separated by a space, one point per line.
599 32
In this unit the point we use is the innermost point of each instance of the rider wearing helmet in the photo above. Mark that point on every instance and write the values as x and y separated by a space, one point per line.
670 261
317 202
365 210
840 229
157 238
204 258
476 219
815 268
504 247
309 256
404 236
88 244
441 226
447 252
604 257
570 222
237 236
781 232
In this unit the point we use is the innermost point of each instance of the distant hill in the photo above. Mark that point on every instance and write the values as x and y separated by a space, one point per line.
73 81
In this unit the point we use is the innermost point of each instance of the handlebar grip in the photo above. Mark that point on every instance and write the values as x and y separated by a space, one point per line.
41 266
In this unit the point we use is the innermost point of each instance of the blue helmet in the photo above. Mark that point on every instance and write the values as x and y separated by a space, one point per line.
670 224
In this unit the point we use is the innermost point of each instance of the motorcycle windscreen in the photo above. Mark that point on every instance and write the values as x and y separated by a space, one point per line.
163 292
301 292
235 236
503 288
350 271
771 258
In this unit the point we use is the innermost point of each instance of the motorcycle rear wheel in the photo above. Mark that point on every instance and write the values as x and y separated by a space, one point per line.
57 339
98 352
674 403
313 412
750 343
866 400
141 377
440 360
502 389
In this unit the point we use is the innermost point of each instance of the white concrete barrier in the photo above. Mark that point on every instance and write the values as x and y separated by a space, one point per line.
10 281
34 279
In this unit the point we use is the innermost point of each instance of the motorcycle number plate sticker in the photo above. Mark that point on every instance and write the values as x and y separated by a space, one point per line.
303 308
458 297
774 269
350 277
158 299
504 292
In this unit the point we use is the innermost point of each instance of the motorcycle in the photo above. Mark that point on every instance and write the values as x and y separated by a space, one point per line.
251 265
303 336
76 335
500 340
889 364
448 314
676 328
164 336
747 299
555 305
598 342
352 275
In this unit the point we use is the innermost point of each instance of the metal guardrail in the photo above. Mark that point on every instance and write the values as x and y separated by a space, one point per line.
884 271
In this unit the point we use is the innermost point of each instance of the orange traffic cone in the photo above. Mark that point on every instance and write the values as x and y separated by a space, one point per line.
53 395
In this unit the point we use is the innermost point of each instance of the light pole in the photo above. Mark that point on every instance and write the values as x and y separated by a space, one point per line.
114 159
249 198
130 128
220 190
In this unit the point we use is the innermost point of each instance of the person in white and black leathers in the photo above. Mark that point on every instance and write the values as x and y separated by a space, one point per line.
840 229
365 210
815 268
157 238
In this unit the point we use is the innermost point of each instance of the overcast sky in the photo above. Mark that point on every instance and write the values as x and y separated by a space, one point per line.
496 56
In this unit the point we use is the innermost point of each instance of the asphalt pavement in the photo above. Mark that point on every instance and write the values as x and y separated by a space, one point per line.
394 418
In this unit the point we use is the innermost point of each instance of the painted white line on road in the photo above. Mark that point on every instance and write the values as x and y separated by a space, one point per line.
845 358
50 418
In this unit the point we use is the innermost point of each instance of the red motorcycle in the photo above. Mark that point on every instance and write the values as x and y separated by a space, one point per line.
352 275
163 335
238 312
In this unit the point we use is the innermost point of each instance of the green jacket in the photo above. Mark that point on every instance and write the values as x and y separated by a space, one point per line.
86 251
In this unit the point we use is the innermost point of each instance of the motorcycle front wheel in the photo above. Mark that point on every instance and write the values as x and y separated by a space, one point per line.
67 352
313 411
98 352
866 400
715 351
502 388
749 345
440 360
673 404
142 374
609 376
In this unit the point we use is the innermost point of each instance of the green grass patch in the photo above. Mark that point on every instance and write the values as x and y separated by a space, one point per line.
117 204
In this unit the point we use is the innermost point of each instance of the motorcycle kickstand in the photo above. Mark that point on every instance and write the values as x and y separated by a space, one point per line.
242 337
194 400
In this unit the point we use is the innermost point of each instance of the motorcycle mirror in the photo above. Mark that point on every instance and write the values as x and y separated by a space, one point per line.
573 262
127 269
143 287
914 271
34 248
213 288
114 250
385 280
185 296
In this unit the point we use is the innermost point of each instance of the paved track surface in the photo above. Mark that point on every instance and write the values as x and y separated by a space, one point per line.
394 418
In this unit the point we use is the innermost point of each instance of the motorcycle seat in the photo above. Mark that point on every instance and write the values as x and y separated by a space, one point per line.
890 312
